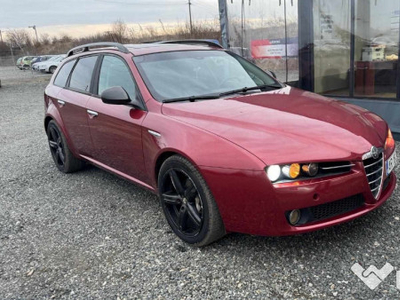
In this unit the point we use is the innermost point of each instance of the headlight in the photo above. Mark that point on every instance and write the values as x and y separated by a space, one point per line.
274 172
310 169
292 171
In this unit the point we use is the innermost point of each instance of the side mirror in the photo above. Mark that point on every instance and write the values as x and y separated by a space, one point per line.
115 95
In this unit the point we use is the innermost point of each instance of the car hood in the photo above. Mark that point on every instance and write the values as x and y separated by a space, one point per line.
286 125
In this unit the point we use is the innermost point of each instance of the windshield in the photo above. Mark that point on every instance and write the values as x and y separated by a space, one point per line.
193 73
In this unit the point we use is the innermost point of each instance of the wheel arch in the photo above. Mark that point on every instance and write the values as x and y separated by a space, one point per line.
47 120
163 156
53 115
50 67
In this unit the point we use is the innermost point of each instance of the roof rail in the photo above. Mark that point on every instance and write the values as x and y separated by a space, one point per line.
86 47
211 43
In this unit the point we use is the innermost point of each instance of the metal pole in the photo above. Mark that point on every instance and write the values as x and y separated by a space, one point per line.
223 19
242 27
352 47
286 39
34 28
398 68
37 38
190 17
12 53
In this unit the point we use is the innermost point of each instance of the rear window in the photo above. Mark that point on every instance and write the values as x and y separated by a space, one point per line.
82 74
62 76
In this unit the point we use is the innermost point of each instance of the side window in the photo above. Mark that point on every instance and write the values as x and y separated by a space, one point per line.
114 72
82 74
62 76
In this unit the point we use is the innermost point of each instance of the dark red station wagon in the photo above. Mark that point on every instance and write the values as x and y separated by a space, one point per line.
227 147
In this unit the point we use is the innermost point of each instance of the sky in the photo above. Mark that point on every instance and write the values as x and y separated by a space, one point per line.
86 16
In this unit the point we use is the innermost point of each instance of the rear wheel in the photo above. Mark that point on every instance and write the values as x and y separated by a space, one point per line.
188 204
63 158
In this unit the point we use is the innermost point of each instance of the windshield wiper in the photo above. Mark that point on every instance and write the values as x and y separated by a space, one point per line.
245 89
192 98
216 96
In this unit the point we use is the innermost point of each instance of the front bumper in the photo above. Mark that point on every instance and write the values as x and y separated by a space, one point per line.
248 203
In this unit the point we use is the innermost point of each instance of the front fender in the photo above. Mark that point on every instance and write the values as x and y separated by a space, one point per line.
202 148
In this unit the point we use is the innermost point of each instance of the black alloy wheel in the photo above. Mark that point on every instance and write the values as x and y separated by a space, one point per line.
56 146
188 205
63 158
183 202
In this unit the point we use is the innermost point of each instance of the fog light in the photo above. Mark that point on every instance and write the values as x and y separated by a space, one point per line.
294 216
274 172
291 171
310 169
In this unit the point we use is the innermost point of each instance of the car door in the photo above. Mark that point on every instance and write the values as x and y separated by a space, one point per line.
116 129
73 99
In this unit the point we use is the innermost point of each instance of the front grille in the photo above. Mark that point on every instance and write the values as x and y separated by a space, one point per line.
329 210
335 208
374 171
335 167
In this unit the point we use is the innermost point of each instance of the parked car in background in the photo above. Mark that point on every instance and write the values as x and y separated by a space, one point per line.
43 58
227 147
18 63
49 66
39 59
25 62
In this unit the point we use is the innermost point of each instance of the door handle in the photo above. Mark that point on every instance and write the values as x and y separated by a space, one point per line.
62 103
92 113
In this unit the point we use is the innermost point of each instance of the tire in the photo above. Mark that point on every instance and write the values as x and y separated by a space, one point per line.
187 203
52 69
63 158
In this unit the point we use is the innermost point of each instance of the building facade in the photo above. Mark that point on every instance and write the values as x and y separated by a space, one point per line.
346 49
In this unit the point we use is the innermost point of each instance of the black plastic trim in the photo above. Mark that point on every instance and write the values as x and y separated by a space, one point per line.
192 42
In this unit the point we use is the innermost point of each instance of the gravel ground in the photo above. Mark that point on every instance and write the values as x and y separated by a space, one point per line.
92 235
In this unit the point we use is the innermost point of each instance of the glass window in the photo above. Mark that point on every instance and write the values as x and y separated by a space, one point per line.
194 73
62 76
266 33
332 46
376 48
114 72
82 74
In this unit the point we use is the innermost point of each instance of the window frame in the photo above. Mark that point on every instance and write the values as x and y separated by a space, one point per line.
306 74
68 87
68 77
96 78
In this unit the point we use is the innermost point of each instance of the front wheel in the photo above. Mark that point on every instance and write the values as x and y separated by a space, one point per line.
187 202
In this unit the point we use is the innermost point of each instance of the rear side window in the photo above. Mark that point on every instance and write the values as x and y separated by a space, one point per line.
82 74
114 72
62 76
